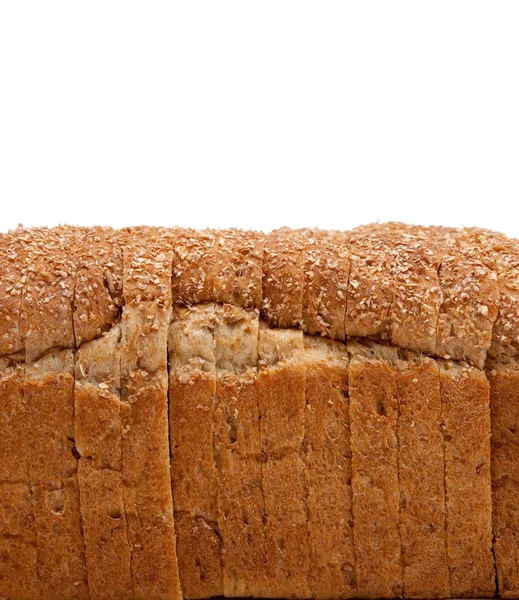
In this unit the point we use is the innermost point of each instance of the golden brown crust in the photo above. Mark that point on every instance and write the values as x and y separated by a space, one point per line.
504 406
98 297
370 285
18 567
326 269
376 497
221 266
49 406
144 382
11 286
470 298
421 479
332 571
237 450
48 278
192 398
427 289
502 255
281 386
98 430
466 418
417 297
284 277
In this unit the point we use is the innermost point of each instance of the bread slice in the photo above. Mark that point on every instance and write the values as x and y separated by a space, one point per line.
144 387
98 296
332 571
421 478
46 325
327 270
502 255
98 426
284 260
11 286
192 405
376 494
237 451
470 298
49 406
466 418
504 406
217 266
19 564
282 388
370 284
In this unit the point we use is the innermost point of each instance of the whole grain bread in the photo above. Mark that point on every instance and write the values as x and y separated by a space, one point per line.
354 460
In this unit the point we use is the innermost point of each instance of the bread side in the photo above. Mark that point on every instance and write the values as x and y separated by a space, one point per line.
19 564
376 494
466 418
144 387
237 452
18 567
192 403
46 324
504 406
98 427
281 388
49 406
332 572
421 478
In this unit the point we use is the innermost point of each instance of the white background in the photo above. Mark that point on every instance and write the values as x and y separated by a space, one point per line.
259 114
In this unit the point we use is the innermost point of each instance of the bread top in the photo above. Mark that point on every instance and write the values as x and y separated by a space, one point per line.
451 293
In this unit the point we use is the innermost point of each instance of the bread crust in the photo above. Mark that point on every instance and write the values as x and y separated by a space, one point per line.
19 564
18 568
470 298
284 277
332 572
376 495
11 286
370 289
46 325
98 422
144 382
98 296
49 406
327 269
417 295
421 478
192 394
281 386
502 255
466 418
222 266
504 405
237 448
400 280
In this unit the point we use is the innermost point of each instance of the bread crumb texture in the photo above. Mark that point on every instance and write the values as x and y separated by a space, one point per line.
226 413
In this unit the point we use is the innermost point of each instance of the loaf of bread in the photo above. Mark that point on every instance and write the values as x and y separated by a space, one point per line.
302 414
